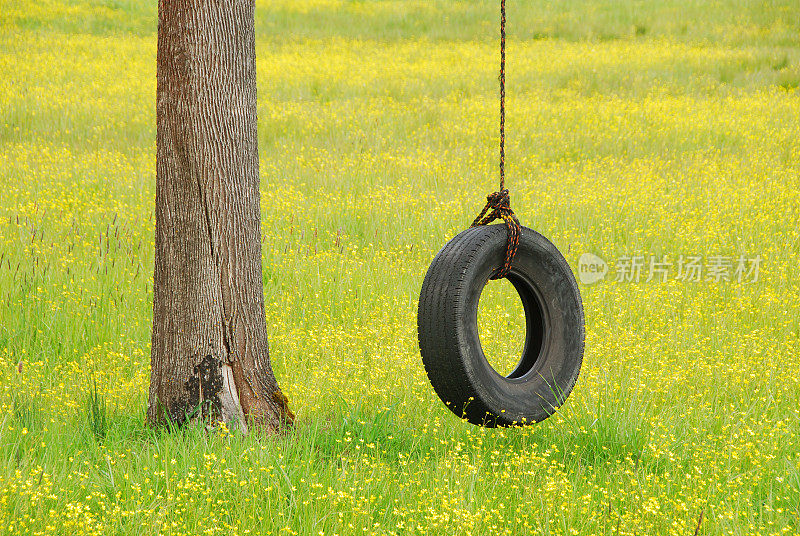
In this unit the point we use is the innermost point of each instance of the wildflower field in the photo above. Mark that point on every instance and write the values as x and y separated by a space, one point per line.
637 131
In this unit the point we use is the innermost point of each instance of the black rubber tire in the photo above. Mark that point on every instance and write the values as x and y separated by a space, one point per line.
447 326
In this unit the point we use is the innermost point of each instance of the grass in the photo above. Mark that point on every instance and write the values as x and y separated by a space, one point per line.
634 128
96 411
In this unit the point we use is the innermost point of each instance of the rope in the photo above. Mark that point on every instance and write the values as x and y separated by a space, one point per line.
502 95
500 201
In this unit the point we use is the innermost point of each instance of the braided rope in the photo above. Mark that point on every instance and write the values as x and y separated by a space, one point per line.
500 202
502 95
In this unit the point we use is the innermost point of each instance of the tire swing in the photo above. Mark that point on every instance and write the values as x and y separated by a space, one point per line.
447 318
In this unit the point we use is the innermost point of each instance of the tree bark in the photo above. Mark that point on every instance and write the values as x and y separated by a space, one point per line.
210 357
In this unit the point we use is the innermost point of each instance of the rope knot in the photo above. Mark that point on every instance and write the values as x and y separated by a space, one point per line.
500 204
499 200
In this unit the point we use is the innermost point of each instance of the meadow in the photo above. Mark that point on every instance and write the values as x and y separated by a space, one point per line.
634 128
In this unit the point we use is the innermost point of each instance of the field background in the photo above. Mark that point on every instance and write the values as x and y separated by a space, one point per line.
661 127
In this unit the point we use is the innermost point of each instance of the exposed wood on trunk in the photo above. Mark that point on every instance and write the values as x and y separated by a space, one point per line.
210 355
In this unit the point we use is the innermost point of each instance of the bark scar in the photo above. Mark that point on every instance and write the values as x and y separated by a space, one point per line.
202 392
229 336
204 202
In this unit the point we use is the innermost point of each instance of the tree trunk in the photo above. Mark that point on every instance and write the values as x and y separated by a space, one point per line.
210 357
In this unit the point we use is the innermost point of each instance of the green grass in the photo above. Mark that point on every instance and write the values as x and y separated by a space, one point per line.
634 128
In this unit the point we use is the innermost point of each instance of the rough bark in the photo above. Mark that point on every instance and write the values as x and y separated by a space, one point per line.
210 357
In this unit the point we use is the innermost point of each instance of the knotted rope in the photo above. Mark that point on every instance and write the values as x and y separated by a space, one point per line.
500 201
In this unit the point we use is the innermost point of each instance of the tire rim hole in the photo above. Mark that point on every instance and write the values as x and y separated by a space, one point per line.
501 326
